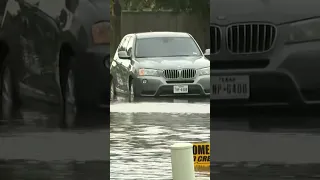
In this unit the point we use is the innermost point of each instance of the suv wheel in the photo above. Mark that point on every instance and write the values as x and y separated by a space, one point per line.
131 92
133 96
112 90
7 95
69 101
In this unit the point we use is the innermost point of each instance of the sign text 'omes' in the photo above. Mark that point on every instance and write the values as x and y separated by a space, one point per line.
201 153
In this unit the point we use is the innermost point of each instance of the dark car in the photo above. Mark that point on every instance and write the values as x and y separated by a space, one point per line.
56 52
160 64
265 53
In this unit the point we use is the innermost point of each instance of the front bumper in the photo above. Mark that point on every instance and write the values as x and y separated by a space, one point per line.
289 76
159 86
92 76
267 88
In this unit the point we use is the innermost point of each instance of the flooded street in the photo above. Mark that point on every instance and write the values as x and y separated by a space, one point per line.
37 149
288 148
142 133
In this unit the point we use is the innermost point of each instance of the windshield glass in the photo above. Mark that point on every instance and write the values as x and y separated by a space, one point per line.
166 47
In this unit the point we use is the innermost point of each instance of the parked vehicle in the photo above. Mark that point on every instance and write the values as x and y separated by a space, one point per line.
265 53
56 52
160 64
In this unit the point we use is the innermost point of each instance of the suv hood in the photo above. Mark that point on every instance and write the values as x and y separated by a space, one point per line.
274 11
174 62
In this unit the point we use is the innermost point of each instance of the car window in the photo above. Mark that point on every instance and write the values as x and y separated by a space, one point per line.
122 46
166 47
129 46
125 44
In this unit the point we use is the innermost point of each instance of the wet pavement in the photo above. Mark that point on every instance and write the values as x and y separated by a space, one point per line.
287 147
35 149
142 133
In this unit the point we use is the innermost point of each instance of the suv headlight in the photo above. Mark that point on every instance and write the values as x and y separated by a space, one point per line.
308 30
101 33
204 71
149 72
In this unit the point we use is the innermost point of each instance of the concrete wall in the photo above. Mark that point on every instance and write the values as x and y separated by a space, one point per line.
197 26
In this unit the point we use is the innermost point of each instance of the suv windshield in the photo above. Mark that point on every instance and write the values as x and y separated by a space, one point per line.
166 47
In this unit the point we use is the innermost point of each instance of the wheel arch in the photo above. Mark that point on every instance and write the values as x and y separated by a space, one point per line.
4 51
130 79
66 50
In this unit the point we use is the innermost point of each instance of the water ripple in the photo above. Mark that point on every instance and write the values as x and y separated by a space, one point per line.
140 141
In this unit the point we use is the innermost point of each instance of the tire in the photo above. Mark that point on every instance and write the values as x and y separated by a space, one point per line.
132 94
112 90
70 110
7 96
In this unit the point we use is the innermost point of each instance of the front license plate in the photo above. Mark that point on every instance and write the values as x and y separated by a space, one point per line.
180 89
230 87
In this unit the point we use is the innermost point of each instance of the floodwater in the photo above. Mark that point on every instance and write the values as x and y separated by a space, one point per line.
141 135
287 147
35 149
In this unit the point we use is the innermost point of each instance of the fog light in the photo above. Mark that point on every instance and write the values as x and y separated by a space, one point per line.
144 81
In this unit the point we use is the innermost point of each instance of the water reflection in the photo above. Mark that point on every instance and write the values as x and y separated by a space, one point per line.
140 141
69 170
36 150
285 148
182 99
261 171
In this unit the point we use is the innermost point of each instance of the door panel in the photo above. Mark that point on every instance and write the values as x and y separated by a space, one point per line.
122 85
32 67
124 74
47 49
127 63
123 66
40 54
113 71
117 75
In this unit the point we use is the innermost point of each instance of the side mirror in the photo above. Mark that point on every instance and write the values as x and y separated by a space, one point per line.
123 55
207 53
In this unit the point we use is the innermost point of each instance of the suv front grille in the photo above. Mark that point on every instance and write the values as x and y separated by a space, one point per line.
215 39
250 38
183 73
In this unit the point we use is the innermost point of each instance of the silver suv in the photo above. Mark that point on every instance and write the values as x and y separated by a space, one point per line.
265 53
